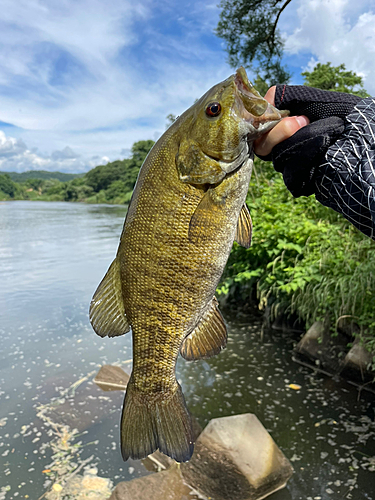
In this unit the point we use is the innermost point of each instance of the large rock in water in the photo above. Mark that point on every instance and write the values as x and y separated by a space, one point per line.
356 364
166 485
311 344
111 378
236 458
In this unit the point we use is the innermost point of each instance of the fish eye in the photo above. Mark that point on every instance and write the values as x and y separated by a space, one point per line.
213 109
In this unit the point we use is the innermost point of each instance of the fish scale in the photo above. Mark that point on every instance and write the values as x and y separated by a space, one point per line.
187 208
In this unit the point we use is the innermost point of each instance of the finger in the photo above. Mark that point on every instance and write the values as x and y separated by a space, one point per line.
286 128
270 95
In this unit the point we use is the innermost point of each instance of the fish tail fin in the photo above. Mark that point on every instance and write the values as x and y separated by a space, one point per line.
150 422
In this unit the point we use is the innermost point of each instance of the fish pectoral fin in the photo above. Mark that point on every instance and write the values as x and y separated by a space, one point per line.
244 228
208 338
107 312
194 167
208 209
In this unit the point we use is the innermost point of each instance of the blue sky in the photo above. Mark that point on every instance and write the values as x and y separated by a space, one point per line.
82 80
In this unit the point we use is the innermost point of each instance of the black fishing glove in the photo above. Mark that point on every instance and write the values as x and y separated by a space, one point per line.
299 156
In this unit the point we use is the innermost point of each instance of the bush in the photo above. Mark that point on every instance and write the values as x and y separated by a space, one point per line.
304 259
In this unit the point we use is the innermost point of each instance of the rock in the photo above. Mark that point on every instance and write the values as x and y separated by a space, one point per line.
356 362
236 458
85 408
317 346
111 378
310 345
86 487
166 485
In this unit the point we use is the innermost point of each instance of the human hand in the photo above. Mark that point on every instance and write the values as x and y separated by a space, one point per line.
298 144
283 130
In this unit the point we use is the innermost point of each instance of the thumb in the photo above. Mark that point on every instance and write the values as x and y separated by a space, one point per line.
283 130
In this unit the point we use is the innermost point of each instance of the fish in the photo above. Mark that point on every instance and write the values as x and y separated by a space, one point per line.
187 208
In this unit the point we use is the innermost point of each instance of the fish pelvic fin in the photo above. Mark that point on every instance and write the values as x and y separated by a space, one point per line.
244 228
208 338
156 421
107 312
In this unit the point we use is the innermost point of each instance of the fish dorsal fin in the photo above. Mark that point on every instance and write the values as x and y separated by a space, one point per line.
244 228
208 338
107 312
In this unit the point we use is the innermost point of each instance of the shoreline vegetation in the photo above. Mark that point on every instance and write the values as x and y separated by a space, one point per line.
305 259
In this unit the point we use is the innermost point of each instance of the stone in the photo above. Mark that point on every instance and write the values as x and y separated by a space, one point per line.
85 407
236 458
356 363
310 345
86 487
316 346
111 378
165 485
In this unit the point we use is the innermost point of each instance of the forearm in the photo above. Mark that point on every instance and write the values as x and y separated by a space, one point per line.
346 182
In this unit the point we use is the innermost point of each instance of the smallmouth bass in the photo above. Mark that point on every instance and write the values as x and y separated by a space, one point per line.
187 208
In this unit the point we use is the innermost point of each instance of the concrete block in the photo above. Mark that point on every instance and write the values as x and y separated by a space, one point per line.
166 485
356 362
311 343
236 458
111 378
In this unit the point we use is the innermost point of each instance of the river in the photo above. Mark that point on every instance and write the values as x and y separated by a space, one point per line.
52 257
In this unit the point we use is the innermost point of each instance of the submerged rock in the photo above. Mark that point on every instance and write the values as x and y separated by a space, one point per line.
236 458
87 487
166 485
111 378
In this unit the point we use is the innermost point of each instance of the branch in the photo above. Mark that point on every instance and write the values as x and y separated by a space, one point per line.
272 34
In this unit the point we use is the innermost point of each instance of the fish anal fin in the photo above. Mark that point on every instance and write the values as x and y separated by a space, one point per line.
208 338
156 421
107 312
244 228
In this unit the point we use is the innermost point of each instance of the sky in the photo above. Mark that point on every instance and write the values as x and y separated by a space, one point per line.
82 80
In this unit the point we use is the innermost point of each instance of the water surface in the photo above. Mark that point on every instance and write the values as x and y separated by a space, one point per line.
52 257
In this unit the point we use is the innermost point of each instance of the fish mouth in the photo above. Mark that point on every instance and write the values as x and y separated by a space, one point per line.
254 108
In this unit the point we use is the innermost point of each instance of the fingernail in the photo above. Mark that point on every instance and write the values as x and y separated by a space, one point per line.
302 120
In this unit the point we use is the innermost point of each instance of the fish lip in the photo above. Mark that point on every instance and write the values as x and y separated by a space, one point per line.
255 110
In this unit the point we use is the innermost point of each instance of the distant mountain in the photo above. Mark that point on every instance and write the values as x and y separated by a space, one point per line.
41 174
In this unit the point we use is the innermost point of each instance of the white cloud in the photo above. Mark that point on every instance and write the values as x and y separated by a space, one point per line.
16 157
338 31
98 76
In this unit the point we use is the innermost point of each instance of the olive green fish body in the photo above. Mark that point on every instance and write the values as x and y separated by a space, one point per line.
187 208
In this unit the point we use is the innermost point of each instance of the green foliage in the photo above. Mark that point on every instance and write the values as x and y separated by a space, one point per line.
40 174
337 78
126 171
304 259
249 28
111 183
8 188
171 118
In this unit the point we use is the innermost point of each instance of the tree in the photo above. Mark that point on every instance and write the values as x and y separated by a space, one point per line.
101 177
338 78
249 28
7 186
